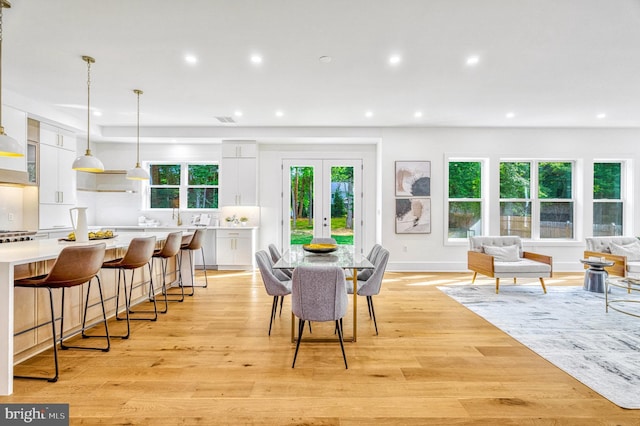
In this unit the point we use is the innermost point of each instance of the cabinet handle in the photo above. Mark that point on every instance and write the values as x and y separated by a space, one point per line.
62 197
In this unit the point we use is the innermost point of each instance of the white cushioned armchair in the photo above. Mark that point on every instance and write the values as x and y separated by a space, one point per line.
623 251
503 257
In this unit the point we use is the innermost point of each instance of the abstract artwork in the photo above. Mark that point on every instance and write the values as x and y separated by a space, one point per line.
413 178
413 215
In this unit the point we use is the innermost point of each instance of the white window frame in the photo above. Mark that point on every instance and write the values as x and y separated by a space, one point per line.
484 186
183 187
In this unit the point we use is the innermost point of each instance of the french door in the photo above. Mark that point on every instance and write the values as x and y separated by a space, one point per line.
322 198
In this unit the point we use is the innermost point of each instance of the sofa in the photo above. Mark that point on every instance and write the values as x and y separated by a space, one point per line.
503 257
623 251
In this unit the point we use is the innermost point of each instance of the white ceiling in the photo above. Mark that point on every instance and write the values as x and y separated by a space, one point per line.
550 62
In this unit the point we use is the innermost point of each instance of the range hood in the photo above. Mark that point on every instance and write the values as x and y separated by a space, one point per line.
14 177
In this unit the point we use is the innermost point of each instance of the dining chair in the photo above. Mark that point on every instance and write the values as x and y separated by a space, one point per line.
323 240
74 266
274 286
318 293
282 274
371 286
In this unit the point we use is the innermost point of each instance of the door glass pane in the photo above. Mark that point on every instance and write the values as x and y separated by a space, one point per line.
556 220
607 219
515 218
342 204
465 219
301 206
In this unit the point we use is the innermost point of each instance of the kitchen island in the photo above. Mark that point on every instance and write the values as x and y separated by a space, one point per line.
25 258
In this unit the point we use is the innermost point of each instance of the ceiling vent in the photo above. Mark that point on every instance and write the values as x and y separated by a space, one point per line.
226 120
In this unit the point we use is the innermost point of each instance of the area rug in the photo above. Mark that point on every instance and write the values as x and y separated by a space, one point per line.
569 327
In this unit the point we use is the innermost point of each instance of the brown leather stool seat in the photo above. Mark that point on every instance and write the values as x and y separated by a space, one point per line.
74 266
171 248
196 243
138 254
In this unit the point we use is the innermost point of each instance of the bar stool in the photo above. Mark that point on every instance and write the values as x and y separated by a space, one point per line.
74 266
138 254
195 244
170 249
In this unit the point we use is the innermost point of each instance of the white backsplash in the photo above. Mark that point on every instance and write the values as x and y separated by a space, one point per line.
11 203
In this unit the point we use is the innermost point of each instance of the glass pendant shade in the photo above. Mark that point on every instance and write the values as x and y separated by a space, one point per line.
87 162
9 147
138 173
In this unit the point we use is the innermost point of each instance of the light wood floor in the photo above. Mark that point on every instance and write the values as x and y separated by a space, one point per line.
210 361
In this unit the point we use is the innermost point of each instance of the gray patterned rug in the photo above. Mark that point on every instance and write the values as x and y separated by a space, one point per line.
568 327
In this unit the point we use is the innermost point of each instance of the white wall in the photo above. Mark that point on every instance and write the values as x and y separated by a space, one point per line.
430 251
425 252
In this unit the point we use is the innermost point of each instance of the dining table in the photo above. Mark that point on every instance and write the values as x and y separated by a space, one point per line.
345 256
27 252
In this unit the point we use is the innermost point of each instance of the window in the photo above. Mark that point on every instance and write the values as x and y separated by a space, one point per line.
555 191
537 199
608 205
515 199
465 199
183 185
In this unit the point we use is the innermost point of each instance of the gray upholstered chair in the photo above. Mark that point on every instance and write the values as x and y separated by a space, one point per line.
274 286
318 293
612 249
371 285
503 257
282 274
323 240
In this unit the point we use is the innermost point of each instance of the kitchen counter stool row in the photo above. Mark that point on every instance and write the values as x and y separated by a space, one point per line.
77 265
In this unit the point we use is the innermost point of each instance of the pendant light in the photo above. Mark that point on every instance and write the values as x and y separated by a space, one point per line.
9 147
87 162
138 173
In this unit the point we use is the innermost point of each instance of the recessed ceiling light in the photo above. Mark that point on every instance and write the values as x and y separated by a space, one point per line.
510 114
97 113
395 59
256 59
238 113
472 61
601 116
368 114
279 113
325 59
417 114
191 59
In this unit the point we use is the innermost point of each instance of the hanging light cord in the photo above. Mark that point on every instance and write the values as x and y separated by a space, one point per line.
138 92
89 60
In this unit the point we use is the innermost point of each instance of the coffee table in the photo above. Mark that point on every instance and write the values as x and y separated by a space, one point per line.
623 304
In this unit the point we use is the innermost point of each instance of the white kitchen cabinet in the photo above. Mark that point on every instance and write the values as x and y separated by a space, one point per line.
238 174
57 178
239 149
15 125
55 136
235 248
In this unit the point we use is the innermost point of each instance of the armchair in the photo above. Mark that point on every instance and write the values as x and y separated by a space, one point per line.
503 257
623 251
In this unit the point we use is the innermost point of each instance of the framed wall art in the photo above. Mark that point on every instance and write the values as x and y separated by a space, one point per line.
413 178
413 215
